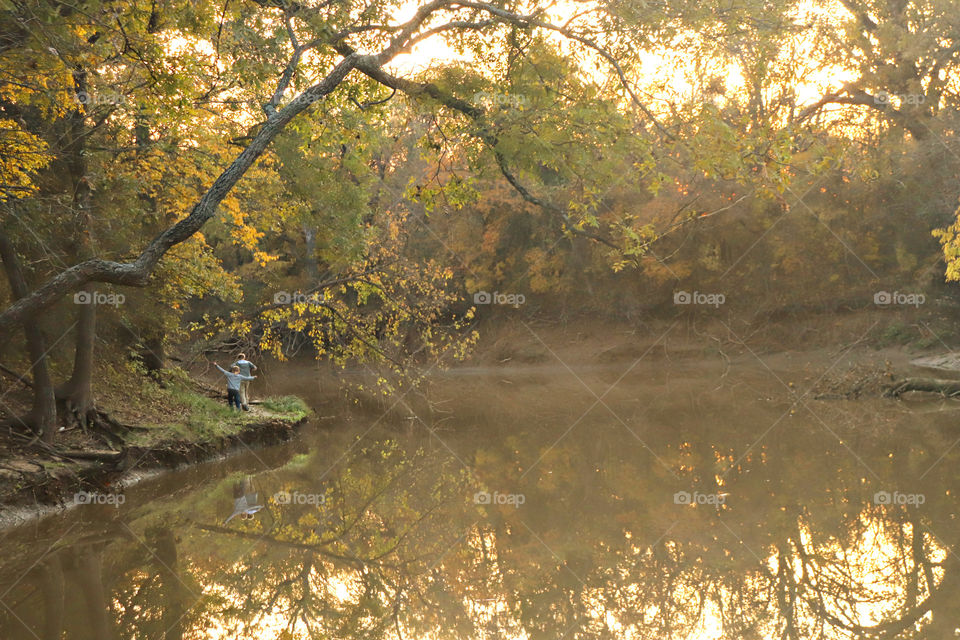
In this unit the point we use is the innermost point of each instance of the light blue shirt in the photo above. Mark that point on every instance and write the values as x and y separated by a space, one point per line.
246 367
234 379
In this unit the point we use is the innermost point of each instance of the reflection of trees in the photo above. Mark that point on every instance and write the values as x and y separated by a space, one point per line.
356 565
595 563
881 584
61 589
396 548
798 550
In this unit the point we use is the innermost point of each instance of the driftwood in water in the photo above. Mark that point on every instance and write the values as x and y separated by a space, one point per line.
929 385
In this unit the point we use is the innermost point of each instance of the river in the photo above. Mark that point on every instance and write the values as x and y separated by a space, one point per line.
660 498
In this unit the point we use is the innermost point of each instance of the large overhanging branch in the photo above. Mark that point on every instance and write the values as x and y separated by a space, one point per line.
137 272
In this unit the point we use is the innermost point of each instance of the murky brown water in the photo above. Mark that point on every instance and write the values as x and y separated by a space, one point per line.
674 499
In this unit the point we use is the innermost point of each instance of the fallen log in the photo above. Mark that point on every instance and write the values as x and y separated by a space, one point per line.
107 456
949 388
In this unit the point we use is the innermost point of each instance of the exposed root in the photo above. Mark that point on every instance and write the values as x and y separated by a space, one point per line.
16 376
24 426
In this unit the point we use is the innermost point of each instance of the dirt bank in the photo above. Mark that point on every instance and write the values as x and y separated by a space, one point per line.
31 485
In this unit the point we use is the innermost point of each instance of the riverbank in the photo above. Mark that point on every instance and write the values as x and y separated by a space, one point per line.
153 427
824 356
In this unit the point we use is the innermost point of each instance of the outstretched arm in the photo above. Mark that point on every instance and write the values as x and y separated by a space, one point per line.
222 370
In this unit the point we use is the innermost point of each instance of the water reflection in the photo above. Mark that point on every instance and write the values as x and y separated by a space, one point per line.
681 515
246 501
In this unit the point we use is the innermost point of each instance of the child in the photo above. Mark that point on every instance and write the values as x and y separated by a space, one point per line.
246 368
234 378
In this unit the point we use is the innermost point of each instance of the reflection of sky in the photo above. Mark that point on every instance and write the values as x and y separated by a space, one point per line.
873 561
273 624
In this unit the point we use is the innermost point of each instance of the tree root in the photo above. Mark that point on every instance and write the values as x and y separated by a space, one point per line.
25 425
113 431
16 376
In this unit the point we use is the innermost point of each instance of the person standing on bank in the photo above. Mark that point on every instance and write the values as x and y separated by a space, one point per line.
246 368
234 378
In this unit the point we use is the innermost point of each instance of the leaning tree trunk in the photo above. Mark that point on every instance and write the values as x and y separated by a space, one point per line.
137 272
42 418
76 395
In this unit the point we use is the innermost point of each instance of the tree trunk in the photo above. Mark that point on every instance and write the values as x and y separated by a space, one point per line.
153 355
76 394
42 418
150 345
310 254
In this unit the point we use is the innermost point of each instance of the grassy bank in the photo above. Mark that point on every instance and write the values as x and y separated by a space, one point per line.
154 425
182 409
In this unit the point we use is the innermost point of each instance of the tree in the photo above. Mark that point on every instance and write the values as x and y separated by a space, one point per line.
327 34
902 56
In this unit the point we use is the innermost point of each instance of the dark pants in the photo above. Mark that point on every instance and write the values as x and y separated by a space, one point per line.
233 398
